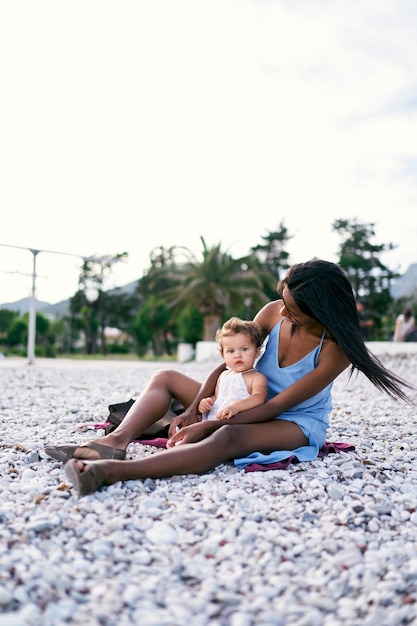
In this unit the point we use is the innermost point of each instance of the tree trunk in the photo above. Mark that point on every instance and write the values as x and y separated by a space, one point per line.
211 324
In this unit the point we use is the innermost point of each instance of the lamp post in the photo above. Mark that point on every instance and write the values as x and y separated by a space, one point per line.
247 302
91 294
32 312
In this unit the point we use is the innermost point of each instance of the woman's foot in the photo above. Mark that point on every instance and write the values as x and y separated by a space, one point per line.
90 451
86 476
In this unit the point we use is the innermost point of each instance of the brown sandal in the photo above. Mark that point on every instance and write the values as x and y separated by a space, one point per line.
85 481
65 453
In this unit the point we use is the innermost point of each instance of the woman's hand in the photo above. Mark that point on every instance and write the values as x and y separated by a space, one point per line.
185 419
192 433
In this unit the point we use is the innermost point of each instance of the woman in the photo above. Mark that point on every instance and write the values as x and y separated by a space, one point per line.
313 335
404 324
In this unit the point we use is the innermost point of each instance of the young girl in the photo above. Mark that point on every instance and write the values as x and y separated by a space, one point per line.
313 335
240 387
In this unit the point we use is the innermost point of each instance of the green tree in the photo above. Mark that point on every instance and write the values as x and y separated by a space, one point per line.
84 318
119 308
190 325
60 331
91 304
17 335
214 287
151 324
95 269
7 318
360 258
270 258
115 308
158 279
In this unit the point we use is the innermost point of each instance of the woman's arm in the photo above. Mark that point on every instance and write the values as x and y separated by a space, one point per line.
205 404
190 415
397 332
329 367
332 362
269 316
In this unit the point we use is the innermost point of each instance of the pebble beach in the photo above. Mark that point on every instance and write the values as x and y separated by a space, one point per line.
331 542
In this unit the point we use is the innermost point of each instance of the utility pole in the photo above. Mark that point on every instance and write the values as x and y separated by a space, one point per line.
32 306
32 313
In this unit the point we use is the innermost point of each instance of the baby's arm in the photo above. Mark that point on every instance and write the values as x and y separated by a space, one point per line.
205 404
258 394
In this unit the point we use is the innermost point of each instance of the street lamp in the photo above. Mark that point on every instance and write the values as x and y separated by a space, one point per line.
32 312
247 302
91 293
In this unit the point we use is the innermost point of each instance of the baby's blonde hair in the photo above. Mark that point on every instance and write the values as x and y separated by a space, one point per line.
235 325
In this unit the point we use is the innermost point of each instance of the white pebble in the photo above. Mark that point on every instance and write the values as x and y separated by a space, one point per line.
161 534
324 543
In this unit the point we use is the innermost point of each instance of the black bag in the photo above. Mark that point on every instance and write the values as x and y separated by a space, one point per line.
118 411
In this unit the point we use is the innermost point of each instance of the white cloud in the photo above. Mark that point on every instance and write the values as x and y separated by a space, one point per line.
128 126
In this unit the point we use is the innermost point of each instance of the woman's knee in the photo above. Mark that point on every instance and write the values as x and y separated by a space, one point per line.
176 384
161 378
228 437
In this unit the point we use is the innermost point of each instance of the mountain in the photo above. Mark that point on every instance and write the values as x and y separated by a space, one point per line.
406 285
22 306
59 308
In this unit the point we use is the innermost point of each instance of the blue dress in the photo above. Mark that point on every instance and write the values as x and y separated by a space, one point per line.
312 415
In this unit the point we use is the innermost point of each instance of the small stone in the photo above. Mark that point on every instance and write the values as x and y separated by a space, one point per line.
335 491
6 598
28 474
161 534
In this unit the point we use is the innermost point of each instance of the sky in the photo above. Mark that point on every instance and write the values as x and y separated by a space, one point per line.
125 126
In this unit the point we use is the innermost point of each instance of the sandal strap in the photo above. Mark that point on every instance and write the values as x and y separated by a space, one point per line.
105 452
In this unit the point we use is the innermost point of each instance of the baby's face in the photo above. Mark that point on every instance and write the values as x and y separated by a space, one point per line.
239 352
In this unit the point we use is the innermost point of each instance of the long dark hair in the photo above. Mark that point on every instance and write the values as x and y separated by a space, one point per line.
323 291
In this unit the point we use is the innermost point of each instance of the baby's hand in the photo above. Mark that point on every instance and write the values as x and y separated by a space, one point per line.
205 405
227 413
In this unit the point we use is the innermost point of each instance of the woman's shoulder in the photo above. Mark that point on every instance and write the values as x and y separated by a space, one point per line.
269 315
333 354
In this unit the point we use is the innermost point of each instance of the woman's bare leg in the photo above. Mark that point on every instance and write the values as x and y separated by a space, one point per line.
229 442
151 405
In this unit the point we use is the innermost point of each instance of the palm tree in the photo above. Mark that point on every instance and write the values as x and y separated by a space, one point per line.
214 286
